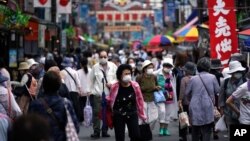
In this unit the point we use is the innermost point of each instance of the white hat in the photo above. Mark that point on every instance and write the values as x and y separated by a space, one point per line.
235 66
168 61
121 52
146 63
31 62
225 73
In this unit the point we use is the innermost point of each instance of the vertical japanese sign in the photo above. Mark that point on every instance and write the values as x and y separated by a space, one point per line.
222 28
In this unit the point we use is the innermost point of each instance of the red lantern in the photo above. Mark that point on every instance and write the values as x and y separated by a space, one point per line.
43 1
64 2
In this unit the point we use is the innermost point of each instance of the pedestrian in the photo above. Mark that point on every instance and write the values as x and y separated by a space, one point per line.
84 76
202 89
148 83
102 76
183 102
132 63
126 102
230 85
30 127
216 68
52 107
166 81
72 82
242 94
4 71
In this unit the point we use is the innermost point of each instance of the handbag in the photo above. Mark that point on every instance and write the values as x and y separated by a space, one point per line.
217 114
87 113
159 97
183 119
70 129
145 132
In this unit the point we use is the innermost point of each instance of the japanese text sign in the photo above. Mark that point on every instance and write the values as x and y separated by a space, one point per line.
222 28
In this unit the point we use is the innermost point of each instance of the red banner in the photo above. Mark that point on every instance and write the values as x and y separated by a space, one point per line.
222 28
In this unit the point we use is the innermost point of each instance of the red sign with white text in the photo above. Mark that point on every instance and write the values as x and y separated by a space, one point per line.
222 28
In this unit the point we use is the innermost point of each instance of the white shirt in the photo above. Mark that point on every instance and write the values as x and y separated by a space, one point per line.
85 81
69 82
243 94
96 77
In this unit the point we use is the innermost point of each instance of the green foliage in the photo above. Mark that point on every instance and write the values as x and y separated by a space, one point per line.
14 19
70 32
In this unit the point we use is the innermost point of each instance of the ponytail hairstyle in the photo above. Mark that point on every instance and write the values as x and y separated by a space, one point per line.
84 63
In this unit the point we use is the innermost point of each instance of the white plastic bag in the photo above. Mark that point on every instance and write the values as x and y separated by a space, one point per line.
184 120
221 125
87 114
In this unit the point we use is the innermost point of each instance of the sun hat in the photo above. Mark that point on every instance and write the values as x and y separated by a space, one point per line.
67 62
216 64
235 66
190 68
31 62
3 78
23 66
225 73
168 61
146 63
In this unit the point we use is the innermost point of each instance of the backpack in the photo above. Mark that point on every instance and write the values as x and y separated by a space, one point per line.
31 85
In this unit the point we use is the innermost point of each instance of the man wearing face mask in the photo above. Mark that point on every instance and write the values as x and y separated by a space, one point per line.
102 76
126 102
148 83
228 87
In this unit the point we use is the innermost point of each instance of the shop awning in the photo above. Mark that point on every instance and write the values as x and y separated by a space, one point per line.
245 32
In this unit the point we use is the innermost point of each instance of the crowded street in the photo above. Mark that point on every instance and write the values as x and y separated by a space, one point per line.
124 70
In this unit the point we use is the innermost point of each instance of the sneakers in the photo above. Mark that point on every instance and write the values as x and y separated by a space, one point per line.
95 136
161 132
166 132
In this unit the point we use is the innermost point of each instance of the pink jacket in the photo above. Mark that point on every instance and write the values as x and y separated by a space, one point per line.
139 98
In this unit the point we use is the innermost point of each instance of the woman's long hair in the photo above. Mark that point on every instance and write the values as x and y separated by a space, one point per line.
84 63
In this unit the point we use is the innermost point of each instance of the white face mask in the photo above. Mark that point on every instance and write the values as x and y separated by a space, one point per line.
150 71
127 78
132 65
166 70
103 60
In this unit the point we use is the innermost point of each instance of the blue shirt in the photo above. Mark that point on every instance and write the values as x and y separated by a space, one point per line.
202 103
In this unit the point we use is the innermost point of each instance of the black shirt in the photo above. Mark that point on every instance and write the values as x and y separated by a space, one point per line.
125 103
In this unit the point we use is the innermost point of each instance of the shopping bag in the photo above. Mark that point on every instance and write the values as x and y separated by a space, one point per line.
221 125
88 114
159 97
146 133
184 120
70 129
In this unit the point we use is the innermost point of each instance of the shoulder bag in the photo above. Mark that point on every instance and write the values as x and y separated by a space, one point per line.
217 114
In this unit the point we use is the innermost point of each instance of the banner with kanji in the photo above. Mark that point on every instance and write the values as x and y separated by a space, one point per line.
63 6
222 28
42 3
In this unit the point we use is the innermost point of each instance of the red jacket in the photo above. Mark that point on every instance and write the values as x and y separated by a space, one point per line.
139 98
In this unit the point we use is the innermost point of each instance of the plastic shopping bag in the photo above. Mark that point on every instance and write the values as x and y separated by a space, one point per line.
221 125
87 114
184 120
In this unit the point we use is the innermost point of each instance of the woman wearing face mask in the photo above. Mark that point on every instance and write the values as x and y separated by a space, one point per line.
229 85
165 81
135 71
126 102
148 83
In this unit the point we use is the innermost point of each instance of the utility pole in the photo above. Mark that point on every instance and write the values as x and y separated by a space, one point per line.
200 10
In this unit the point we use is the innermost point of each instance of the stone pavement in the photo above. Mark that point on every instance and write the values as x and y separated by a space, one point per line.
173 127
